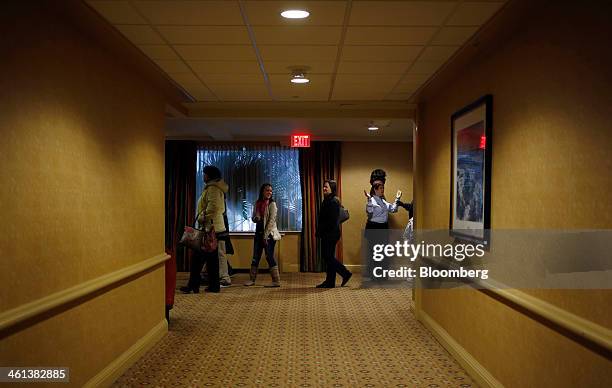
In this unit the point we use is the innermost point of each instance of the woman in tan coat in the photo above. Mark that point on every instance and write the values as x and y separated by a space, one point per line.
266 234
211 207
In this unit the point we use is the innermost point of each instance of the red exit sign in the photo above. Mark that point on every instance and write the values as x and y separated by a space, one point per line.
300 140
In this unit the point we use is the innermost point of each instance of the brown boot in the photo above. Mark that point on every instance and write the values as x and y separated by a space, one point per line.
253 275
275 277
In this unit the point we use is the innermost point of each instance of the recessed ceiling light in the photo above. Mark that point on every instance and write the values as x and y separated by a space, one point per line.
299 78
295 14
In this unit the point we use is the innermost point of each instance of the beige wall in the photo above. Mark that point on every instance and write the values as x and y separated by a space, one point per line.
358 161
82 194
550 82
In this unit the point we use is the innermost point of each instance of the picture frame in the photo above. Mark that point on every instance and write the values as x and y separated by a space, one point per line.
471 152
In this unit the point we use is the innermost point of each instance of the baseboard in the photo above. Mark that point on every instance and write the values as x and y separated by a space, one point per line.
354 267
290 267
478 372
107 376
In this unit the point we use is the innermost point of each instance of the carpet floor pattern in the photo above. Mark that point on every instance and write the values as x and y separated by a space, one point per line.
296 336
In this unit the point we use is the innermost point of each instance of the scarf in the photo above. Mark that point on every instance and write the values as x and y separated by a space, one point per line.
261 207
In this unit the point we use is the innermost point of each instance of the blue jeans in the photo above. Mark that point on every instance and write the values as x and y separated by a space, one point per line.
259 247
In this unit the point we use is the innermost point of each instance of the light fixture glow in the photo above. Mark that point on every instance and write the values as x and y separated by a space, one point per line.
295 14
372 127
299 78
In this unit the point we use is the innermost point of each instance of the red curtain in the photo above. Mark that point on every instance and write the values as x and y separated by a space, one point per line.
318 163
180 197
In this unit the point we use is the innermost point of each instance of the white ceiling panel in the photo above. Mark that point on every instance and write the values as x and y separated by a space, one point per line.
437 53
297 35
205 34
357 94
322 13
386 50
302 96
406 87
456 36
158 51
381 53
298 53
229 79
311 67
200 92
389 35
191 12
400 13
373 67
302 90
216 52
473 13
117 12
237 92
380 83
399 96
185 78
222 67
140 34
425 67
412 78
173 66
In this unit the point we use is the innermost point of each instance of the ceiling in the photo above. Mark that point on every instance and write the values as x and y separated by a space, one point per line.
233 57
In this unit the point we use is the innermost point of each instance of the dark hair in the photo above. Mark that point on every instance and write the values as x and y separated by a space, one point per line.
378 175
375 186
261 192
333 186
212 172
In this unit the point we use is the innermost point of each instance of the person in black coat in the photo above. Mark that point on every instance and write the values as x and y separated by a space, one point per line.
328 230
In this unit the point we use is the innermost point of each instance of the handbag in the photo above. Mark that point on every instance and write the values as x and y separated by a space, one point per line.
199 239
343 215
209 239
192 237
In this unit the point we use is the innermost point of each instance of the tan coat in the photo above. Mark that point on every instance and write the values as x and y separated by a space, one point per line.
211 205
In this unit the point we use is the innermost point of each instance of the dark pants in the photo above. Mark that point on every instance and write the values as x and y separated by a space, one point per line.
374 234
212 267
328 252
259 247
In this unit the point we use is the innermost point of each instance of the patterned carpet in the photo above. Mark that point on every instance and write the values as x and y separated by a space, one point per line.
296 336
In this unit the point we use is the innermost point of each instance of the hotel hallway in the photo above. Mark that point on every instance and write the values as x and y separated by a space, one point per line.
296 336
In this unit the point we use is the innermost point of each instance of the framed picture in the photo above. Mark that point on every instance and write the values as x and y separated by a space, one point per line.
470 213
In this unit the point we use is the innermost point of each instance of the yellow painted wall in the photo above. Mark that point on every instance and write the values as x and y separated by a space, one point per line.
550 81
82 194
358 161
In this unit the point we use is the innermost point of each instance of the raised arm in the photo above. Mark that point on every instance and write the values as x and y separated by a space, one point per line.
391 207
370 205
